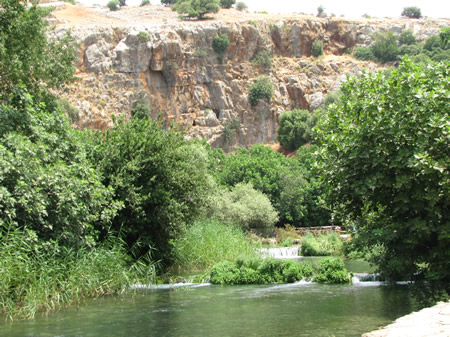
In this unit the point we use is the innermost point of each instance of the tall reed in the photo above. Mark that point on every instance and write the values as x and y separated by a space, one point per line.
207 242
43 276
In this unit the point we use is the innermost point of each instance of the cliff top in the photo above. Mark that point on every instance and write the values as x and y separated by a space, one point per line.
76 15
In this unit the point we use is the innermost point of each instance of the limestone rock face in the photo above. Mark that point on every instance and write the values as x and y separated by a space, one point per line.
174 70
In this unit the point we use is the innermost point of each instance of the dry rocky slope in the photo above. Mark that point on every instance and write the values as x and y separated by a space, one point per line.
146 54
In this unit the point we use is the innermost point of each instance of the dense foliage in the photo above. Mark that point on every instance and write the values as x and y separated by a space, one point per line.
322 245
158 177
227 3
412 12
246 207
220 43
261 89
196 8
27 55
385 154
294 191
240 6
266 271
317 48
295 128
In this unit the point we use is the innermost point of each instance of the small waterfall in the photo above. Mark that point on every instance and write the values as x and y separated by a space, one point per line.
280 253
365 277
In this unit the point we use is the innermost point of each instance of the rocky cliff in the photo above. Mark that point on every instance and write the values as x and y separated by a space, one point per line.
146 55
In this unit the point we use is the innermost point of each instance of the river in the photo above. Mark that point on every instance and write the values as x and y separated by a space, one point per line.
301 309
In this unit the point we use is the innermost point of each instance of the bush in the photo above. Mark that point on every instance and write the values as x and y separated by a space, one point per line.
207 242
141 111
385 47
260 271
113 5
412 12
168 2
220 43
410 50
317 48
295 128
227 3
332 270
321 12
261 89
248 208
240 6
322 245
407 37
143 37
145 3
263 59
364 54
224 272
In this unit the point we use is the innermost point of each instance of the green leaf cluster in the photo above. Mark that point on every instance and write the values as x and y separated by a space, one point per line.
220 43
385 155
227 3
261 89
295 128
196 8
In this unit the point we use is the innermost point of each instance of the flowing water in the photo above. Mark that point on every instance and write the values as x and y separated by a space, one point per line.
302 309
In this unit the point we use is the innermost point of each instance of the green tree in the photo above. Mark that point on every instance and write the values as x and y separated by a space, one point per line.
27 55
412 12
47 183
168 2
240 6
385 48
295 128
227 3
385 154
160 178
407 37
196 8
246 207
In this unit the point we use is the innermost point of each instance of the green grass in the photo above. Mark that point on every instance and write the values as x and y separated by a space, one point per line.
322 245
38 277
207 242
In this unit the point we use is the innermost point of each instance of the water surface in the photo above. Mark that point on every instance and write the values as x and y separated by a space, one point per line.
302 309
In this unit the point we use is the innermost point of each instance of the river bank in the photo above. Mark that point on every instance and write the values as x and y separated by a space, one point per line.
428 322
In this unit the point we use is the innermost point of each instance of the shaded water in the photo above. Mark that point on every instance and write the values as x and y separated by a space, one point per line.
303 309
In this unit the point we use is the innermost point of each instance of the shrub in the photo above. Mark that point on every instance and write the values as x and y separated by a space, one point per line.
143 37
68 109
332 270
321 12
145 3
240 6
317 48
295 128
168 2
200 53
229 129
248 208
410 50
227 3
412 12
220 43
113 5
364 54
385 47
432 43
224 272
322 245
207 242
141 111
263 59
261 89
407 37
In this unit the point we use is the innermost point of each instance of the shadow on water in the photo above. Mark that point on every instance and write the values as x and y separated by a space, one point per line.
301 309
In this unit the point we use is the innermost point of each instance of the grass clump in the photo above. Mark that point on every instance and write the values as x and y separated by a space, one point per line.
322 245
43 276
207 242
332 270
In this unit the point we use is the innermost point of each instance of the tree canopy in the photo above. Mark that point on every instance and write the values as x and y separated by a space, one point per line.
385 154
196 8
